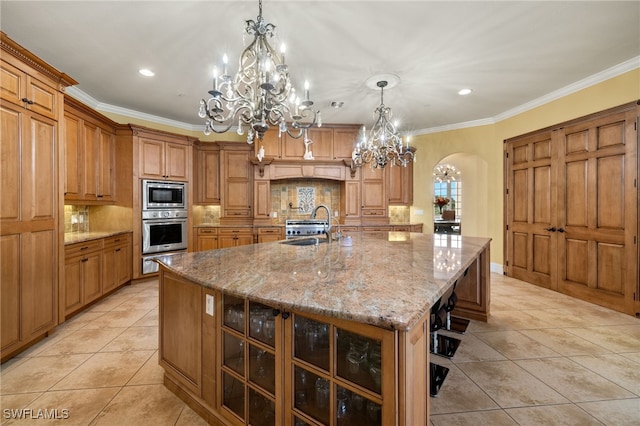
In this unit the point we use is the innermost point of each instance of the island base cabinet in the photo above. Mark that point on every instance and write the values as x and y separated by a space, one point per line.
473 289
236 361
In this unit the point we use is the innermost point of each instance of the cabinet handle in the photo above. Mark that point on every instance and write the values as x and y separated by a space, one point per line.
117 250
561 230
552 229
276 312
28 101
84 248
85 260
285 315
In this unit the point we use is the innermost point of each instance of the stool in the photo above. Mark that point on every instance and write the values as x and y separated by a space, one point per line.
455 324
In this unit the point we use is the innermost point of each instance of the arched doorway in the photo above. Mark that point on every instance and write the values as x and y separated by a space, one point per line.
472 201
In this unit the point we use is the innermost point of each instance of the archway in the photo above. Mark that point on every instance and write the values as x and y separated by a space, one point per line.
475 208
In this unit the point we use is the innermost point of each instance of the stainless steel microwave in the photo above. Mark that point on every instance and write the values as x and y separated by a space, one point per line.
164 195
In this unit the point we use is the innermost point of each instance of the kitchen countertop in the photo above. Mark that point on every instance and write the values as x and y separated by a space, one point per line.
389 282
80 237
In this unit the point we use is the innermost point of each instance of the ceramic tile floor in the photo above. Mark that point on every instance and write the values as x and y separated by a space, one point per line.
542 359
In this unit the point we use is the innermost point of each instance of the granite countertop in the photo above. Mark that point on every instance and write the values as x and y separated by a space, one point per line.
80 237
388 282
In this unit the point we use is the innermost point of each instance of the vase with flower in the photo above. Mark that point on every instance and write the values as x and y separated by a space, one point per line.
441 202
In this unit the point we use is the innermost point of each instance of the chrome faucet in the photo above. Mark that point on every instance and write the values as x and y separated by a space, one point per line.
327 229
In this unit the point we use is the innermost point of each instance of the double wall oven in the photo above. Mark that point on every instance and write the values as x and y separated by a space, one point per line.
164 221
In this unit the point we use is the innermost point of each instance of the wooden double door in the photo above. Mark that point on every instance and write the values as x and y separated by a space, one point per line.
572 208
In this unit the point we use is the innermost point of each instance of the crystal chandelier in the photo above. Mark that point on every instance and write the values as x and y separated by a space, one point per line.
260 94
445 173
383 146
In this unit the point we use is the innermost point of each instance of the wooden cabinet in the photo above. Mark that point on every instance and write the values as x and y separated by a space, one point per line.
89 148
236 172
351 200
571 208
292 149
269 233
374 195
94 268
25 87
30 107
164 160
234 237
206 239
116 262
207 178
344 140
262 200
400 185
263 366
82 275
322 146
271 144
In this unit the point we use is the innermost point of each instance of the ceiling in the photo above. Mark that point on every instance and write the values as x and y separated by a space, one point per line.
509 53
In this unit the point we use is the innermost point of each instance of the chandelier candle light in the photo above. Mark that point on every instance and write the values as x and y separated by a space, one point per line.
260 94
384 145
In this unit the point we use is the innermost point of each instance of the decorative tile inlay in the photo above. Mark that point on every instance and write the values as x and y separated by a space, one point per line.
306 199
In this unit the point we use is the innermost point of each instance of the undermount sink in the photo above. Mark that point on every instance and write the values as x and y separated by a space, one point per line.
304 241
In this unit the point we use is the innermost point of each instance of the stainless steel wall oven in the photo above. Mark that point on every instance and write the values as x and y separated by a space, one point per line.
164 221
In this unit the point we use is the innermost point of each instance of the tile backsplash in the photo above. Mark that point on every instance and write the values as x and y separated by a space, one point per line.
76 218
295 198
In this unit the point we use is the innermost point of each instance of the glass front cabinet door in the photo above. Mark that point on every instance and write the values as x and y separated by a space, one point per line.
302 369
251 364
335 371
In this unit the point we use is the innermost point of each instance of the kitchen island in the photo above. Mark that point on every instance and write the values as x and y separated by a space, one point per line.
320 334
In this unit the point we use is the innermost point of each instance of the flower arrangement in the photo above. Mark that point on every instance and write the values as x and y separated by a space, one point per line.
441 202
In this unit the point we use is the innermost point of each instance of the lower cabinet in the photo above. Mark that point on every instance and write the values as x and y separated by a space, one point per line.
116 262
243 362
269 234
206 239
94 268
234 237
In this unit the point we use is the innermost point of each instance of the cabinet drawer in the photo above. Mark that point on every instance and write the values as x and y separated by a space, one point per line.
235 231
82 248
116 240
401 228
207 231
369 212
238 213
271 231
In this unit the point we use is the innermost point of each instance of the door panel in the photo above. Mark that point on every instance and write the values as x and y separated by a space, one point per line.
531 206
572 212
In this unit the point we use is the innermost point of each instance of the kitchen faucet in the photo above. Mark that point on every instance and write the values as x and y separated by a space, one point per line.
327 229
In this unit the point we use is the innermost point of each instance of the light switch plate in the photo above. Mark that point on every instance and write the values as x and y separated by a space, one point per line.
209 303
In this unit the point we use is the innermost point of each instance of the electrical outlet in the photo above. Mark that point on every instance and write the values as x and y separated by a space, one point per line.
418 212
209 303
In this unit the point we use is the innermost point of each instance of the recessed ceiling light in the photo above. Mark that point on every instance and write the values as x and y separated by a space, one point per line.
464 91
337 104
146 72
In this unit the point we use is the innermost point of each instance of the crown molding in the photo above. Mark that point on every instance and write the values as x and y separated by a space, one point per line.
594 79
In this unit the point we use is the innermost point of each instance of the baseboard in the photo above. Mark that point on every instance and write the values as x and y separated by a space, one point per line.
497 268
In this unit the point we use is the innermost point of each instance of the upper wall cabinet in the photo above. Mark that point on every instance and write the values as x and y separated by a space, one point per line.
25 89
207 169
89 152
344 140
400 185
164 160
329 143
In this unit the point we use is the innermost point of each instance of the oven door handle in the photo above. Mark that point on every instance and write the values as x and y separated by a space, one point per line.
163 221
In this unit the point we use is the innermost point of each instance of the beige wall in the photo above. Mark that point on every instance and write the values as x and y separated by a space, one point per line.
478 152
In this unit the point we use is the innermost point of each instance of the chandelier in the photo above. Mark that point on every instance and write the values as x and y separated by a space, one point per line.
383 146
260 94
445 173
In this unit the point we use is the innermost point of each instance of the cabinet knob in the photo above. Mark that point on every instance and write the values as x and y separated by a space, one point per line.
285 315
